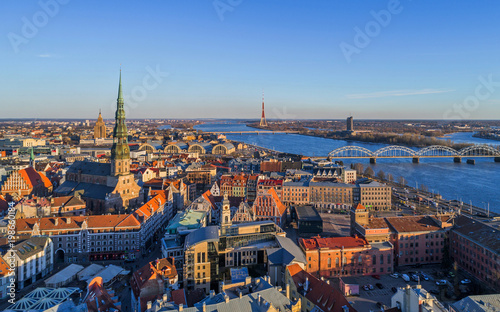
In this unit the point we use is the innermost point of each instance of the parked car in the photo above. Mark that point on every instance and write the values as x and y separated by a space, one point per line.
376 276
451 274
380 304
394 289
415 278
380 285
434 291
424 277
366 287
394 275
465 281
441 282
370 286
405 277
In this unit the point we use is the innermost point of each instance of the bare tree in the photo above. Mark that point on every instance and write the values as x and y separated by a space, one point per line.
423 187
390 178
359 168
402 181
381 175
369 172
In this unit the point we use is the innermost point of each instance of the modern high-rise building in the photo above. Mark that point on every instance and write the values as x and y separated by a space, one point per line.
350 124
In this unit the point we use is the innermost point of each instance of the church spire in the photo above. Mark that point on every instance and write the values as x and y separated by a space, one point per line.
120 95
32 158
120 151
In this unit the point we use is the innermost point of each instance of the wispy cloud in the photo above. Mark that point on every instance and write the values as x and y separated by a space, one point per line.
396 93
45 55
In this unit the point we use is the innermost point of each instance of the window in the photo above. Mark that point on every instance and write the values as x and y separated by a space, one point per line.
374 259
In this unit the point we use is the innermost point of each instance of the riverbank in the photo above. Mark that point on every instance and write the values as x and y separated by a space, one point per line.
486 136
407 139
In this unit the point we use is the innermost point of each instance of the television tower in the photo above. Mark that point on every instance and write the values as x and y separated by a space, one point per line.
263 122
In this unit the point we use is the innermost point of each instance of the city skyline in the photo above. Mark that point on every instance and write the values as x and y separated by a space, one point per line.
182 61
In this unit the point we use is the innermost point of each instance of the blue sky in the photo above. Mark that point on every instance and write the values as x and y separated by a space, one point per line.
419 59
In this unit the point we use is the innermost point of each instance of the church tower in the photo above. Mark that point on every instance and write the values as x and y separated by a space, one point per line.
226 212
120 153
99 128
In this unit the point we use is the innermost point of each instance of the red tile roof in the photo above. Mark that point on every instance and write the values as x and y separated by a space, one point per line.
4 268
320 293
98 298
150 207
179 297
332 242
75 223
361 207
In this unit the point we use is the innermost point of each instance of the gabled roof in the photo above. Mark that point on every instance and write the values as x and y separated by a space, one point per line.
31 177
277 200
98 298
319 292
149 208
4 268
90 168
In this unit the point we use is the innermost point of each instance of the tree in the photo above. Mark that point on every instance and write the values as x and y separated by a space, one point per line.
390 178
381 175
423 188
402 181
359 168
369 172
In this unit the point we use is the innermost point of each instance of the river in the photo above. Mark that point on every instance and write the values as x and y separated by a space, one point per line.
469 183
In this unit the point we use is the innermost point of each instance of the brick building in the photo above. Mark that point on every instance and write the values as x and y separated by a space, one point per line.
475 247
149 282
268 206
346 256
26 182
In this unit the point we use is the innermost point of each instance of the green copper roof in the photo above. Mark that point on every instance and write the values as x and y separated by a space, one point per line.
120 95
120 149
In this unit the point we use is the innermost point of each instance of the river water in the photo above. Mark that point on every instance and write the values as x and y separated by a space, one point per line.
469 183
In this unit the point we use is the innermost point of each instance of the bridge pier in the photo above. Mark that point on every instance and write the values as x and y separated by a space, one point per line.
471 161
497 159
416 160
373 160
457 159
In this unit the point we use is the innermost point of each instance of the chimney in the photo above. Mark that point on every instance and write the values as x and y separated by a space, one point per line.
181 307
212 293
68 220
204 307
149 305
226 298
258 298
165 298
241 295
56 221
287 287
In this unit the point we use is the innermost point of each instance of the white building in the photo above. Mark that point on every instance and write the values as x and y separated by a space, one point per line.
34 260
416 299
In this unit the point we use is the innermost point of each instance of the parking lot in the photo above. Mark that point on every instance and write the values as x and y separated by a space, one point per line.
367 299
